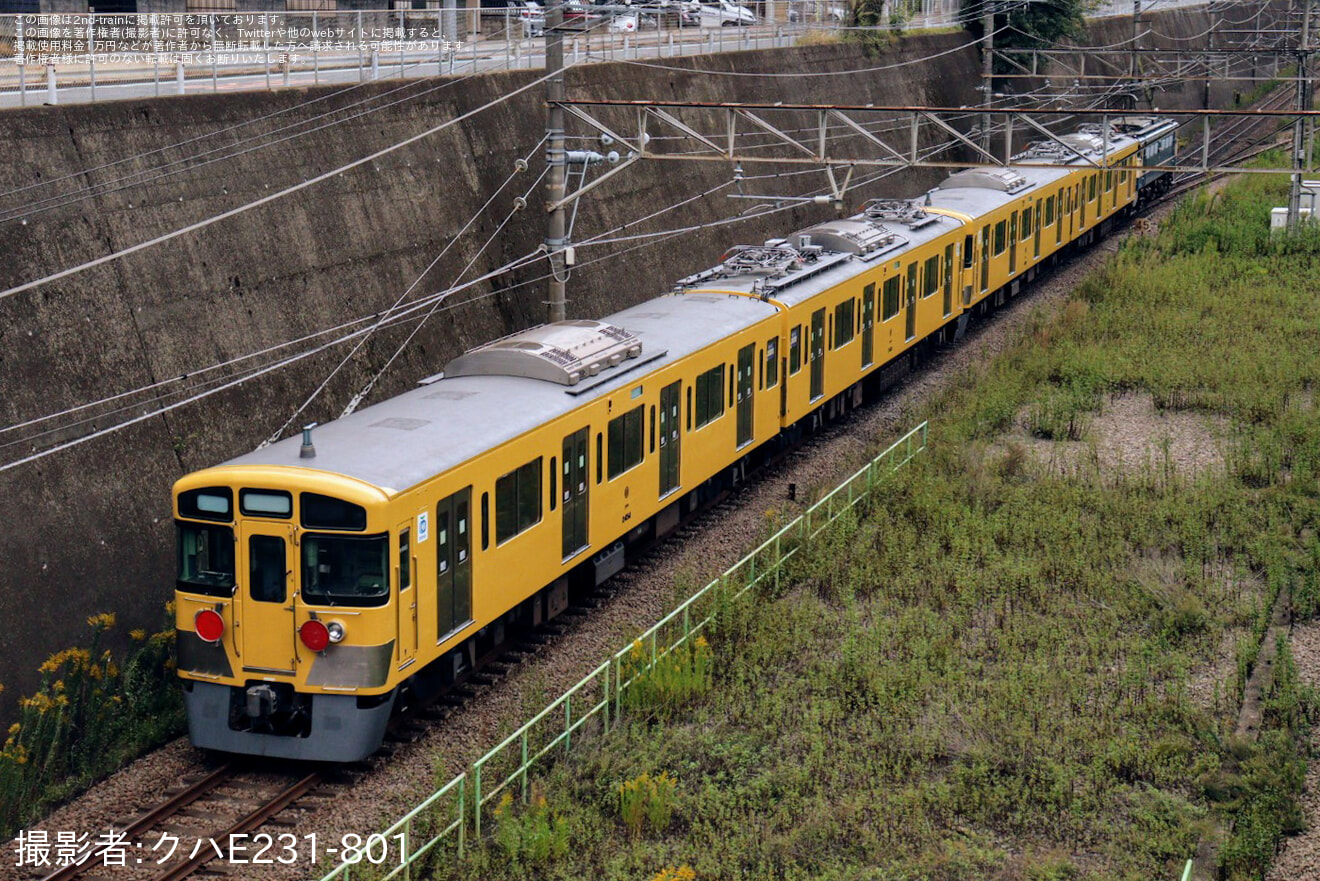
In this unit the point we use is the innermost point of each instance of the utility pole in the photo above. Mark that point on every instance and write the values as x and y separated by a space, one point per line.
1134 67
1303 103
987 70
556 177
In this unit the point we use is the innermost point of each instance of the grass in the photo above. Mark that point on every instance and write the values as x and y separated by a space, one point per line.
92 714
997 670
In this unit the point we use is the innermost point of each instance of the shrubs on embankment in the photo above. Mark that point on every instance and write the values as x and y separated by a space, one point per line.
94 712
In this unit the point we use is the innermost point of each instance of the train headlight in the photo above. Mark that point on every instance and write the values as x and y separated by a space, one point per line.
209 625
336 631
314 635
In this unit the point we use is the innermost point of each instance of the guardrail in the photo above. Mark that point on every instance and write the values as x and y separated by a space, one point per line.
86 57
594 704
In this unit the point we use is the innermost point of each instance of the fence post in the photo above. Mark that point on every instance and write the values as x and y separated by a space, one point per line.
22 83
91 53
215 74
265 45
51 95
407 841
362 73
524 766
316 51
375 65
178 78
568 723
402 36
476 801
462 814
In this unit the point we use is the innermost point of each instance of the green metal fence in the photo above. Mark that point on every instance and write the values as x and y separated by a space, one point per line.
594 705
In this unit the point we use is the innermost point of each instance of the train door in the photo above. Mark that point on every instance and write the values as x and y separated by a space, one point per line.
948 280
269 637
868 325
817 354
1081 197
575 489
985 258
910 318
407 605
746 380
1012 242
453 562
1057 200
670 437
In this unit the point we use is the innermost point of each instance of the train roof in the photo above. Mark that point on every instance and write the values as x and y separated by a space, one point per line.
408 439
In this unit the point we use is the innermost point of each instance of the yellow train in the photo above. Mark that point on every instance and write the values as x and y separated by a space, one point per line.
323 582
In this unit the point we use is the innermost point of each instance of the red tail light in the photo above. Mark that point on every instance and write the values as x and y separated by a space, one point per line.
209 625
314 635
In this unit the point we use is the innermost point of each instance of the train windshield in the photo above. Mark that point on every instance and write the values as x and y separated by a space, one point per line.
206 559
342 570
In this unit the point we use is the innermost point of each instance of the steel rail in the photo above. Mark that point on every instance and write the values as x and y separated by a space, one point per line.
165 809
248 823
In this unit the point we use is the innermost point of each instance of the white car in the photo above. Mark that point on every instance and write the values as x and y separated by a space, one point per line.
812 11
723 13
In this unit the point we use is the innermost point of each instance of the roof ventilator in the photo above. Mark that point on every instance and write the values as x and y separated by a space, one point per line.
564 352
1005 180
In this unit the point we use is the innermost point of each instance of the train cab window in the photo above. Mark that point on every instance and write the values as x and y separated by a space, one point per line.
267 568
1001 237
625 441
345 570
518 501
969 257
930 279
889 298
1026 223
265 503
212 503
206 559
845 325
771 363
710 395
327 512
795 350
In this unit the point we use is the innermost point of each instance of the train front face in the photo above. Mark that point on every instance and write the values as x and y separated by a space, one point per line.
286 612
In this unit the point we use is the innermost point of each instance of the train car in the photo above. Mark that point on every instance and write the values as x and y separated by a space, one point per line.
327 581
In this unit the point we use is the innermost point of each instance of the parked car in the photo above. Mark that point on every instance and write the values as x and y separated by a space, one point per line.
723 13
631 22
814 11
532 16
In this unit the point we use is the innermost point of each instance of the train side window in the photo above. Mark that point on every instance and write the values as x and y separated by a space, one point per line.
1049 211
652 428
760 371
1092 188
1001 237
625 442
930 281
710 395
518 501
968 256
485 521
732 374
771 363
405 560
554 482
1109 181
889 304
1026 223
795 350
844 325
600 457
689 408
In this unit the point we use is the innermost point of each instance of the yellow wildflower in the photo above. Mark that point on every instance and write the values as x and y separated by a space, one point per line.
103 621
505 801
137 635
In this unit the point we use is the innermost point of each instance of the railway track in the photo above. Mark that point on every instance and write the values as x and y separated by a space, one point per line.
178 836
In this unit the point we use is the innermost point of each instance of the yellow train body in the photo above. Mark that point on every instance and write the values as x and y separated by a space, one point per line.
387 554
